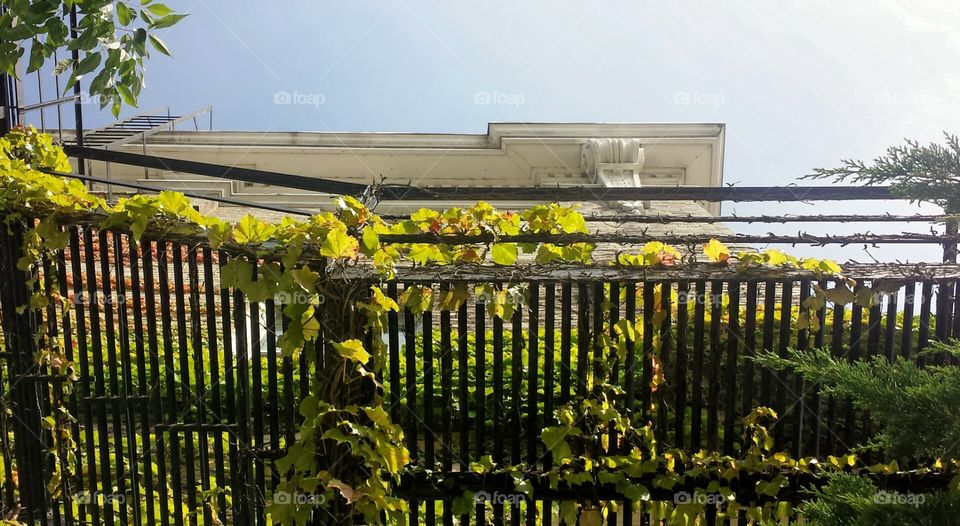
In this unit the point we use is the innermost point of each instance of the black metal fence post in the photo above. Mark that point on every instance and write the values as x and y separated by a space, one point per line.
20 325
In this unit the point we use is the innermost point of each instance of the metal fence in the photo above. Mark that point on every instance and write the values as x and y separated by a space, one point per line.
183 401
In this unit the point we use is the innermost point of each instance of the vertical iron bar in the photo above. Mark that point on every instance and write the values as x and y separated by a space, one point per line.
199 370
666 291
890 330
127 388
480 377
533 373
769 313
256 401
186 395
646 361
786 314
696 402
906 336
463 389
98 372
429 430
713 389
446 396
566 307
730 378
749 348
393 347
153 344
799 405
171 399
680 371
216 402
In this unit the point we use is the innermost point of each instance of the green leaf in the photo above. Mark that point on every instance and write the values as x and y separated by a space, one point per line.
236 273
716 251
555 440
394 457
573 222
126 95
306 278
464 504
88 64
484 465
339 245
125 14
569 511
251 230
417 299
166 21
159 45
159 9
62 67
308 407
370 242
36 56
173 203
352 350
504 253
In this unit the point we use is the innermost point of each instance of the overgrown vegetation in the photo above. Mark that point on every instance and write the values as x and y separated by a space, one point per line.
916 409
347 449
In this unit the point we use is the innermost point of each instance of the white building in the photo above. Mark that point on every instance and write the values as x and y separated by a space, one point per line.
509 154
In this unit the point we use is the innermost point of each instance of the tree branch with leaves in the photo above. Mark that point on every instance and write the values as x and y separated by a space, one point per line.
928 173
113 38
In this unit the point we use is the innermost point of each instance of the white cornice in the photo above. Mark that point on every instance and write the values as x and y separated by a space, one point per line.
496 135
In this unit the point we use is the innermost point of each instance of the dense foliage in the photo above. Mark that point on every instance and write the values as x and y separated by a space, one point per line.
916 409
348 449
850 500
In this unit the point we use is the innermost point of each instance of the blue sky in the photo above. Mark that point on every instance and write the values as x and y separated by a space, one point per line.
799 84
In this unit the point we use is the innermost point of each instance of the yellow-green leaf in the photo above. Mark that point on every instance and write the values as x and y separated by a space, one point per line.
504 253
716 251
352 350
339 245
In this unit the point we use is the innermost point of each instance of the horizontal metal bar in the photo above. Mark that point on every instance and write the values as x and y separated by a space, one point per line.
231 173
445 485
193 195
48 103
666 218
115 399
687 239
647 193
192 427
939 272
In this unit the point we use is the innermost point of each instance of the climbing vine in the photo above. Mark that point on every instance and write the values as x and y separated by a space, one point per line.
348 450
